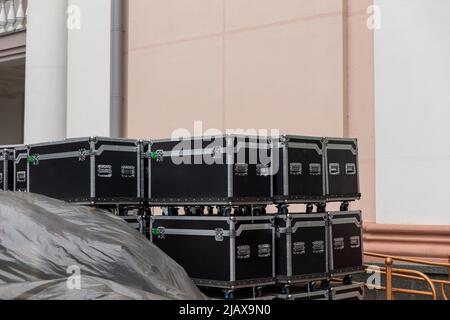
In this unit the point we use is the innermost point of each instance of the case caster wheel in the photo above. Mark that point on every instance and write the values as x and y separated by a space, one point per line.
309 209
345 206
188 211
225 211
283 209
286 290
259 292
170 212
123 211
325 284
239 211
229 295
259 211
348 280
321 208
311 286
198 211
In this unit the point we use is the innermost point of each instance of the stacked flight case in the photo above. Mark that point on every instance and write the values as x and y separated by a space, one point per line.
315 246
103 172
224 239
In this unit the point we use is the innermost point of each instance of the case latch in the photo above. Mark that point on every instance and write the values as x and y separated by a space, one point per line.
243 252
296 169
318 247
264 250
262 170
339 244
241 169
159 232
315 169
219 235
104 171
83 154
299 248
350 169
21 176
335 169
355 242
128 171
33 159
158 155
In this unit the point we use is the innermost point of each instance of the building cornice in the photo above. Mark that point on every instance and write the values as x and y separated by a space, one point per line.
13 46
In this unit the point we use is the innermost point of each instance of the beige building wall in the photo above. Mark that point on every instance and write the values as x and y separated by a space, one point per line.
301 66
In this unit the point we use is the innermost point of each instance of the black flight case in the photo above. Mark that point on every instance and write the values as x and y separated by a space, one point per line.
301 249
220 252
6 169
299 175
223 171
346 244
102 172
341 161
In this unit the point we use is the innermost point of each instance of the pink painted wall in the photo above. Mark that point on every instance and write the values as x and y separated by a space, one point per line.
301 66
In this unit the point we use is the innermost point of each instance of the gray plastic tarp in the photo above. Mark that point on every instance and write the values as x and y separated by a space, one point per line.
49 248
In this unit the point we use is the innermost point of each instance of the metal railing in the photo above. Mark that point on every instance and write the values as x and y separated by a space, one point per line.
410 274
12 16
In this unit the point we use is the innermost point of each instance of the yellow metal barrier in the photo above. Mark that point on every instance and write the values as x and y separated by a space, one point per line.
391 272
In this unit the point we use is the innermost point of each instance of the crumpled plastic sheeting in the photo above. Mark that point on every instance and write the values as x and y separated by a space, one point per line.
40 238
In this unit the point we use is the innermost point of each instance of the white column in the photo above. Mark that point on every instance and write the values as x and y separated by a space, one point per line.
412 75
89 69
46 71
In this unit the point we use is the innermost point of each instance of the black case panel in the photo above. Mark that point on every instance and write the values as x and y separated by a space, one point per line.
346 257
201 257
61 179
252 186
21 166
192 182
310 263
117 186
344 184
255 267
199 183
304 186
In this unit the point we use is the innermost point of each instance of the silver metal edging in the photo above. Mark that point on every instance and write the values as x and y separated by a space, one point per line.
302 224
212 233
230 164
285 170
289 248
92 169
104 148
274 252
344 147
5 170
311 146
215 218
347 221
138 167
21 157
232 252
14 171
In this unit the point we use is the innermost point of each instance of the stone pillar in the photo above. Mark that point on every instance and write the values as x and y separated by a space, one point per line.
46 71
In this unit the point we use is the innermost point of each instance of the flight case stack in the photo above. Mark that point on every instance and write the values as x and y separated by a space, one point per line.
224 239
315 246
